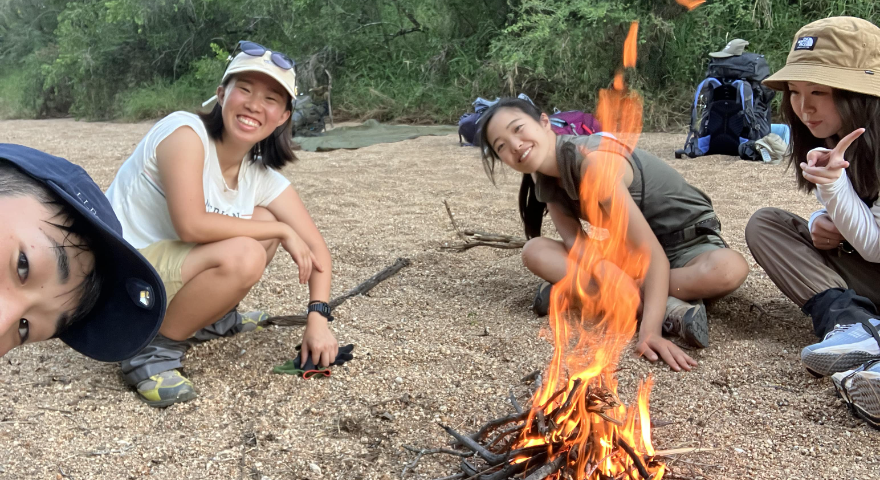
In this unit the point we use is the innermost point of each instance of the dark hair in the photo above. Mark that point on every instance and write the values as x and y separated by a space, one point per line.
275 149
856 110
16 183
531 210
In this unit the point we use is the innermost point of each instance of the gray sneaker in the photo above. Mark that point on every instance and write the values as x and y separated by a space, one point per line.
687 321
166 388
860 389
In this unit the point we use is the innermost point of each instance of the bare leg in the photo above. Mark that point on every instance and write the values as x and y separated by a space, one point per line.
709 275
545 258
216 277
271 246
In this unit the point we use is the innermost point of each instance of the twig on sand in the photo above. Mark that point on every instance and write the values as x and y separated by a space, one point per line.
757 307
475 238
59 410
363 288
429 451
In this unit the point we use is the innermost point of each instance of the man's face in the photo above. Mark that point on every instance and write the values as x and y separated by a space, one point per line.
40 271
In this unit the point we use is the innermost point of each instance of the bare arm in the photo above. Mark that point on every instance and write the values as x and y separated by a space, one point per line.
318 341
655 288
289 209
181 159
568 227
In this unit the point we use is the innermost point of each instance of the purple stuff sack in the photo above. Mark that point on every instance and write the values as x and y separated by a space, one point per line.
574 122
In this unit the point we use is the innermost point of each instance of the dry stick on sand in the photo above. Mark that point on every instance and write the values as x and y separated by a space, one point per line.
475 238
299 320
429 451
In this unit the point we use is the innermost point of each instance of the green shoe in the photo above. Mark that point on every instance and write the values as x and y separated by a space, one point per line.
166 388
250 321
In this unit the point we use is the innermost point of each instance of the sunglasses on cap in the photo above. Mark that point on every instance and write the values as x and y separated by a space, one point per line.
280 60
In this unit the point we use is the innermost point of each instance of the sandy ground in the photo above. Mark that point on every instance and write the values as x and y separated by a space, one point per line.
418 338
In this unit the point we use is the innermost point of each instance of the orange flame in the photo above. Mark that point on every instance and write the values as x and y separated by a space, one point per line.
630 46
593 309
691 4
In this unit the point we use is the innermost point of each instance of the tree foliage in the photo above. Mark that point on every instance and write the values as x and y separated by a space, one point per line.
416 60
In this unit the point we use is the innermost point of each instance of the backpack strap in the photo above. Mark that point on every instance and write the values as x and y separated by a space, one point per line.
638 164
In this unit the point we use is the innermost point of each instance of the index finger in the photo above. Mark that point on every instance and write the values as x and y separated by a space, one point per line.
846 141
669 358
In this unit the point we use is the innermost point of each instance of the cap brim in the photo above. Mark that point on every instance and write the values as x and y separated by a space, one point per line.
266 71
118 326
720 54
853 80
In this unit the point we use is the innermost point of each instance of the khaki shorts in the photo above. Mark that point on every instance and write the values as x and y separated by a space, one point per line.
167 257
681 254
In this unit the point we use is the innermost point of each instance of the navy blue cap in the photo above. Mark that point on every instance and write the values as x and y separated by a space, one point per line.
131 306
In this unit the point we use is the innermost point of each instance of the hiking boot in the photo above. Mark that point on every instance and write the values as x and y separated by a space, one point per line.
860 389
687 321
250 321
166 388
541 305
844 348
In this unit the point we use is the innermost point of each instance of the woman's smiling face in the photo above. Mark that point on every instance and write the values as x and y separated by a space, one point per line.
254 105
520 141
44 270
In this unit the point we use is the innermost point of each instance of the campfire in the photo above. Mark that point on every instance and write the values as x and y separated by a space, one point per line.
577 427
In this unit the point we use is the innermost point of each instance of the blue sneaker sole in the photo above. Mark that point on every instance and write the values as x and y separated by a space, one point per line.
825 364
872 420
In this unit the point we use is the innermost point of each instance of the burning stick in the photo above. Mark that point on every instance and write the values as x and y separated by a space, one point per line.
637 460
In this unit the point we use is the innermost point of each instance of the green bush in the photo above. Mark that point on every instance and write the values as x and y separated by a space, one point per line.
407 60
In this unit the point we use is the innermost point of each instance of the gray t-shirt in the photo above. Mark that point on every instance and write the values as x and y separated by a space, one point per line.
667 201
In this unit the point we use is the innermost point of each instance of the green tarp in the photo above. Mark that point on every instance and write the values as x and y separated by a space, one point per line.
369 133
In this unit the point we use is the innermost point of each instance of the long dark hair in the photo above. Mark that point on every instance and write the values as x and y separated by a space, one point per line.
856 110
531 210
275 150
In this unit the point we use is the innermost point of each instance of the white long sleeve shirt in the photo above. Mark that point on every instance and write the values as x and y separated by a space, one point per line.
858 224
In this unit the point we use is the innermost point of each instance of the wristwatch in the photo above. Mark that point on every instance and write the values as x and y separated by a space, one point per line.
323 308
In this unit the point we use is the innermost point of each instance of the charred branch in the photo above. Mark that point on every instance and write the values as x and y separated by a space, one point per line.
491 458
548 469
636 458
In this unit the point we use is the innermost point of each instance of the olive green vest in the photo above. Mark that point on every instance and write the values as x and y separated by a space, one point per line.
667 201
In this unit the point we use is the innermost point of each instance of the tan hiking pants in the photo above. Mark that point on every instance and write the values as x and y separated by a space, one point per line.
780 242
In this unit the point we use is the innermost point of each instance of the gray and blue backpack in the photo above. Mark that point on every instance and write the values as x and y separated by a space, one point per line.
731 107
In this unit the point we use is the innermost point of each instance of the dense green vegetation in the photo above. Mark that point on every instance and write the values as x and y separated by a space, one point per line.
407 60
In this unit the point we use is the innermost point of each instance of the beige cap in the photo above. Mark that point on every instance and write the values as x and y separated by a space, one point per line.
736 47
840 52
263 64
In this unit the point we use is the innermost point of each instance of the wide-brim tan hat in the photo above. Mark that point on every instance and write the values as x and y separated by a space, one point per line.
839 52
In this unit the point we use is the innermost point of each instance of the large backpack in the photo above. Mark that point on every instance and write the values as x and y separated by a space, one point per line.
572 122
308 118
731 107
